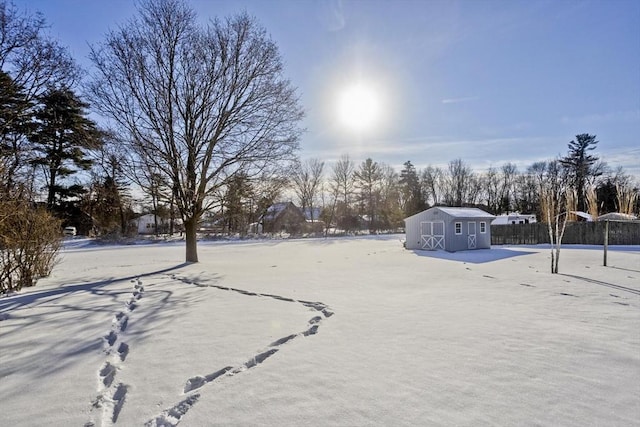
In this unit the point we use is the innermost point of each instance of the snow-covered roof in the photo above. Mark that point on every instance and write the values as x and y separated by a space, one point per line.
276 209
458 212
465 212
584 215
617 216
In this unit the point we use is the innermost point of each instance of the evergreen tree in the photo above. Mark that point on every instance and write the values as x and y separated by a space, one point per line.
411 191
580 165
235 203
15 122
61 138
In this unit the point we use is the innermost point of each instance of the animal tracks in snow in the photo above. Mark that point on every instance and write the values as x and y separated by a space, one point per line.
171 417
111 395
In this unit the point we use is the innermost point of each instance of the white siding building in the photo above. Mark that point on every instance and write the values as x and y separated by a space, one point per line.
514 218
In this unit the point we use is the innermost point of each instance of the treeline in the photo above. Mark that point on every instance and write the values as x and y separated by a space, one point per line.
374 195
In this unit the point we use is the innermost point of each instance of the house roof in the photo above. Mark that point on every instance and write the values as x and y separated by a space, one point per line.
276 209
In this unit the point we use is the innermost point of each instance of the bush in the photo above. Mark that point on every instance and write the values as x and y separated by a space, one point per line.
30 239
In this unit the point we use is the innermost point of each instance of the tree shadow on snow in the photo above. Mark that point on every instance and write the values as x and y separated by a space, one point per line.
14 301
602 283
475 256
21 336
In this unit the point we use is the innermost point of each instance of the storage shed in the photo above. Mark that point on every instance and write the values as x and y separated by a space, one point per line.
451 229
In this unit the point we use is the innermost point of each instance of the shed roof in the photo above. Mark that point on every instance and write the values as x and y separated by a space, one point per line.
466 212
458 212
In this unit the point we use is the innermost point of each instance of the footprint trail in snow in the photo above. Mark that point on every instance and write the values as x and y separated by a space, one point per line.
170 417
111 394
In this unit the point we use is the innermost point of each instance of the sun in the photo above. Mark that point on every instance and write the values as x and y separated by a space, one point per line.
358 107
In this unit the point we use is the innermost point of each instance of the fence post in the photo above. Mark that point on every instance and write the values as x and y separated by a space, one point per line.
606 240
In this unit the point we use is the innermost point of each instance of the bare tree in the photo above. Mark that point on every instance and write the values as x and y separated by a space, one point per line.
34 61
369 183
432 183
462 185
509 173
556 200
307 180
626 196
266 191
390 213
491 185
108 199
526 193
592 202
341 188
203 102
343 178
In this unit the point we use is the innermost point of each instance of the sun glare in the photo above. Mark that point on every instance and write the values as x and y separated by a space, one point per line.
358 107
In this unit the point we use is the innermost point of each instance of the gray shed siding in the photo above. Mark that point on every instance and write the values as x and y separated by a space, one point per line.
435 228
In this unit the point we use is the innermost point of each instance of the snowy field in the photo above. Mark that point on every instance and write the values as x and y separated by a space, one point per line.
339 332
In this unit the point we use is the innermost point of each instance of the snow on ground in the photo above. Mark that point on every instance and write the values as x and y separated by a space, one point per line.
345 332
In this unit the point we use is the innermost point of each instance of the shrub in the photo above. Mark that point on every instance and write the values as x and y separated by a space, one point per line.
30 239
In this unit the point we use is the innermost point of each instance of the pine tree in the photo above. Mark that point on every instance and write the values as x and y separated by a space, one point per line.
580 165
411 191
15 122
62 136
238 192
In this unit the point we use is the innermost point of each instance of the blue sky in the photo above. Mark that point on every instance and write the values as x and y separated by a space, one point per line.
486 81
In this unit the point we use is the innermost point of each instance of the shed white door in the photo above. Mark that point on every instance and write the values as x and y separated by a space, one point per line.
432 234
471 235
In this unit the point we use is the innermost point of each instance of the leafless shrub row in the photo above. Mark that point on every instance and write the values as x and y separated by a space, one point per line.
29 244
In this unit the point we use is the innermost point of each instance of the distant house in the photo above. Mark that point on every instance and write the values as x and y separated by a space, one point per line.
514 218
449 228
146 224
283 217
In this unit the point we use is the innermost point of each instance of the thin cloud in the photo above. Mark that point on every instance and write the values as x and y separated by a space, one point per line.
459 100
332 15
614 116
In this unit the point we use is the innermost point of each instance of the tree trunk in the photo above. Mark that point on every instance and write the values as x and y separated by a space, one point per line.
557 258
190 226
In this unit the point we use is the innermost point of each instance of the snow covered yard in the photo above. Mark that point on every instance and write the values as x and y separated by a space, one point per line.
345 332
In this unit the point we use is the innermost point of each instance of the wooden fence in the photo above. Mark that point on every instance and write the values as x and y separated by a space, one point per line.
576 233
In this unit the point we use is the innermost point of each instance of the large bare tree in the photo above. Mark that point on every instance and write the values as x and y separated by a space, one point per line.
203 101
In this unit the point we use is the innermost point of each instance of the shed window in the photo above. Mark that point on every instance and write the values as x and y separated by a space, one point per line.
458 226
483 227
